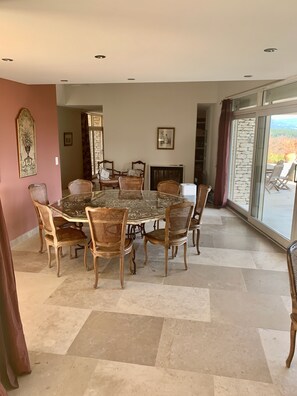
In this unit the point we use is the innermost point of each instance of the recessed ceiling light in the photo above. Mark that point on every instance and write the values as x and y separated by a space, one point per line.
248 75
100 56
64 80
7 60
270 50
131 79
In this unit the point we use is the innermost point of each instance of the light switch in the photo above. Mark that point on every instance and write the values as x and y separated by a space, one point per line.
57 160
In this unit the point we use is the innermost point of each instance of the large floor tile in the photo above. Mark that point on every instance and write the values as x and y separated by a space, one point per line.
224 386
29 261
268 282
212 348
123 379
50 328
35 288
206 276
276 347
220 257
248 309
270 261
119 337
165 301
243 242
56 375
78 291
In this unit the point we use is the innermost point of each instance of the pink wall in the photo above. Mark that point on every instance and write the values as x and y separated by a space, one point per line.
41 101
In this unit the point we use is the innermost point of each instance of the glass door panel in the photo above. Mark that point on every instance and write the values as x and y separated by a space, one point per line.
273 185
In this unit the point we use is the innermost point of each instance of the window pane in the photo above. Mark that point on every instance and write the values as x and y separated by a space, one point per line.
245 102
281 94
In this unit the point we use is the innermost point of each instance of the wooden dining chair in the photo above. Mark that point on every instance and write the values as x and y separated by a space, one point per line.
131 183
195 225
168 187
175 233
59 237
108 228
292 269
107 175
80 186
38 193
139 166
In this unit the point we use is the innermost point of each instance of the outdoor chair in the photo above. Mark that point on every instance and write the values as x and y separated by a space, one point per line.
272 178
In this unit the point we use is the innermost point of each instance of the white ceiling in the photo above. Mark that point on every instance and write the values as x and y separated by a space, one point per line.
151 41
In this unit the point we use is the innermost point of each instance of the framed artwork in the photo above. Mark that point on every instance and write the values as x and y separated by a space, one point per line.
165 138
68 139
26 143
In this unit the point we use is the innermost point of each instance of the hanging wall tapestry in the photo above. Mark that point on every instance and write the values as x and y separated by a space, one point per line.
26 144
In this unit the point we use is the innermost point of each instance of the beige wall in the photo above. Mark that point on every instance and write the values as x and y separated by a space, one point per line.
133 112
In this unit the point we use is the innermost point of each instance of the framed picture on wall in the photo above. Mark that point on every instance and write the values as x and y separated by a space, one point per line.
68 139
165 138
26 143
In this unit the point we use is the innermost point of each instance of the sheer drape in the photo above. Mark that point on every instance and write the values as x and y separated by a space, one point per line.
14 359
87 164
221 184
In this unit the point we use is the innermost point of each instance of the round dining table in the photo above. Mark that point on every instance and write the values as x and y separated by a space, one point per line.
143 206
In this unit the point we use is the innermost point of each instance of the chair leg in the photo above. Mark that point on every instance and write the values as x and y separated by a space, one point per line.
122 259
145 250
85 258
292 345
96 271
41 240
193 237
57 253
166 260
49 256
197 240
132 261
185 256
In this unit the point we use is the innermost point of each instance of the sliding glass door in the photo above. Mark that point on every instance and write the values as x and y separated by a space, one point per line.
273 192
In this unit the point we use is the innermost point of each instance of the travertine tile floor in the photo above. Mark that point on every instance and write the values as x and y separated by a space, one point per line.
220 328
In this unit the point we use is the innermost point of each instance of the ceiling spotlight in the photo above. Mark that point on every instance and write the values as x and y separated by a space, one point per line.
270 50
7 60
100 56
248 76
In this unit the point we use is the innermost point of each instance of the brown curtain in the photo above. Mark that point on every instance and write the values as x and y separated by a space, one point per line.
87 164
14 359
221 184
